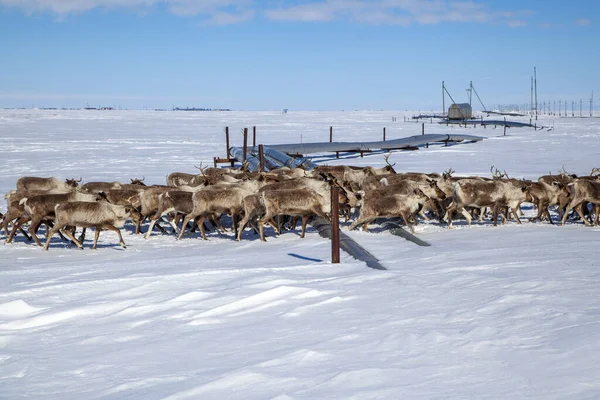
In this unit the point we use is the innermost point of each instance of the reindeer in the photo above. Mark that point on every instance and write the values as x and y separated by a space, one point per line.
181 178
32 183
583 190
301 202
385 203
219 200
41 208
494 194
99 215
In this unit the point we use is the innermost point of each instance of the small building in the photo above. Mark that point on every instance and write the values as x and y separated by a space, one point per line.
460 111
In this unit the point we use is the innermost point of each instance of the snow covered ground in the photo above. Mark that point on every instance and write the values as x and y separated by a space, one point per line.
484 313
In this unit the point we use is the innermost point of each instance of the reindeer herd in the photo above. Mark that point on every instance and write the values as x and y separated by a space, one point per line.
254 199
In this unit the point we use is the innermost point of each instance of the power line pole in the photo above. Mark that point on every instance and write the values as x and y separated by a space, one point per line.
535 85
531 97
443 98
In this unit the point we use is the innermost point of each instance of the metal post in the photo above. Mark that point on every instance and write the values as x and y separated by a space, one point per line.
335 225
245 148
384 133
254 136
261 157
423 128
330 134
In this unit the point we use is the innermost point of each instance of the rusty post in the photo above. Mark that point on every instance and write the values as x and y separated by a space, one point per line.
261 157
215 161
330 134
384 133
335 225
245 145
254 136
227 141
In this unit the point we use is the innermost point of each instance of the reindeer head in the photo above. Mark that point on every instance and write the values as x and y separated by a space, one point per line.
201 169
496 174
138 181
448 174
73 182
389 167
438 191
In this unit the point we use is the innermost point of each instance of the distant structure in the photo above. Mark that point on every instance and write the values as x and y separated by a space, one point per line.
284 111
199 109
457 111
460 111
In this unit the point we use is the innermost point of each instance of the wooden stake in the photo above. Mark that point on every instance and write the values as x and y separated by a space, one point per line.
227 142
384 133
245 151
254 136
261 157
335 225
330 134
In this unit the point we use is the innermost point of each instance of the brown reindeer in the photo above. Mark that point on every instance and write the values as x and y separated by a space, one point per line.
33 183
99 215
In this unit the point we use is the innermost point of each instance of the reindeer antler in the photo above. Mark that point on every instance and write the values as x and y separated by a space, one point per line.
245 166
594 171
387 159
448 173
496 174
563 172
201 169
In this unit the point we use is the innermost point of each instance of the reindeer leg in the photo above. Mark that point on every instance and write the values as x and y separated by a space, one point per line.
566 212
495 212
70 235
96 236
112 228
261 225
304 221
185 222
579 211
50 234
82 236
16 225
201 225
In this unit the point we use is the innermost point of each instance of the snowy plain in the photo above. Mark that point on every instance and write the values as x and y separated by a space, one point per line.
484 313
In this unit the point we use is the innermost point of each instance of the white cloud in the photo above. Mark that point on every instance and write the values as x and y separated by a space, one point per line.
400 12
515 23
583 22
390 12
224 18
212 8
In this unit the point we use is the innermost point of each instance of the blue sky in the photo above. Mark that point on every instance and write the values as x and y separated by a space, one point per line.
301 55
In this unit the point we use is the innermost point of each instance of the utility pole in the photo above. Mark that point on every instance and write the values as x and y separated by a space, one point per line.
443 98
531 97
535 85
